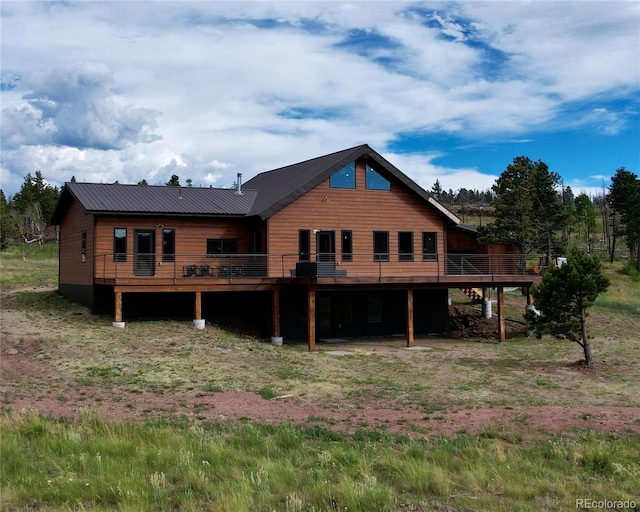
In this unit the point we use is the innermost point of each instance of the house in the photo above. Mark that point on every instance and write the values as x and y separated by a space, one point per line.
337 246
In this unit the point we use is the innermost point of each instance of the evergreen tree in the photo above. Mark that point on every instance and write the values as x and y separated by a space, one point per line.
527 209
563 297
174 181
35 190
8 232
624 198
436 190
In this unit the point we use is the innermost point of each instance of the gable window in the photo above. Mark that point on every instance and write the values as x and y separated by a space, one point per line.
304 244
120 245
380 246
345 177
220 246
429 246
405 246
374 181
347 246
168 244
83 246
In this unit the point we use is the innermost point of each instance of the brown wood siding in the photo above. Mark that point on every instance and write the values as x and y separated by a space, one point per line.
362 211
462 242
72 270
191 236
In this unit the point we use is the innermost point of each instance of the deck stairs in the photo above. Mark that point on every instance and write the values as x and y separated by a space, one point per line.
475 294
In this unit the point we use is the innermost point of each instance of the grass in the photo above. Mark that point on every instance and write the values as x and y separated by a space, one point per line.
189 459
29 266
99 465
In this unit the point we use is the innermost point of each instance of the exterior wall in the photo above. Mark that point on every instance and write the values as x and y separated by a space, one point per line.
72 270
191 236
362 211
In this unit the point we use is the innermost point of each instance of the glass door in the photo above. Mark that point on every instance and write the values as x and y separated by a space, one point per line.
144 258
326 245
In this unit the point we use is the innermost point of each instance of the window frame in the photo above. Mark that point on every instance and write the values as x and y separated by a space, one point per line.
304 245
223 249
83 246
119 256
346 244
333 179
429 248
369 185
403 253
377 254
166 255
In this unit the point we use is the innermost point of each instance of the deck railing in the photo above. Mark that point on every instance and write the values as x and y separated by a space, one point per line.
147 266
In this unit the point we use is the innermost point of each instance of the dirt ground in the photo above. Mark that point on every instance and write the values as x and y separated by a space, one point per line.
23 362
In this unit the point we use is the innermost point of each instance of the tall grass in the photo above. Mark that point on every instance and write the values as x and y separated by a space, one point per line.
96 465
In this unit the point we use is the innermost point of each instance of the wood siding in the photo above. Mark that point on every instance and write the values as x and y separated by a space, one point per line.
72 270
361 211
191 236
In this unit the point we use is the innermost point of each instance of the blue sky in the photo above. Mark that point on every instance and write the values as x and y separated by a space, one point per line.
126 91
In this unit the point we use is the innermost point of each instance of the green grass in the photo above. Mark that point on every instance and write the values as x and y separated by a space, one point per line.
178 461
91 464
29 266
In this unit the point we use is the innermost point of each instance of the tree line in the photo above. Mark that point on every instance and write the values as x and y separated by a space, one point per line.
530 209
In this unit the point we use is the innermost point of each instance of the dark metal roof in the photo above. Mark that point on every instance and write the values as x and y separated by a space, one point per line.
263 195
99 198
282 186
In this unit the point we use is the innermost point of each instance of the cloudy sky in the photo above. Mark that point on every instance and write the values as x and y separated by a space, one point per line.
125 91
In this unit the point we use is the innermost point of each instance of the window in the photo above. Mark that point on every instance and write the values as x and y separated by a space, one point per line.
376 182
168 244
304 244
83 246
345 177
380 246
347 246
429 246
219 246
405 246
120 244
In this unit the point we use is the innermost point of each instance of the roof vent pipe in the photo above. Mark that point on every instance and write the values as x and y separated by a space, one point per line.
239 184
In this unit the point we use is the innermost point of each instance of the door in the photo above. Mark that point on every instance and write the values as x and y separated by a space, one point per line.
144 258
326 245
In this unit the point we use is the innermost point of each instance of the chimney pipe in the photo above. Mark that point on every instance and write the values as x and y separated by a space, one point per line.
239 184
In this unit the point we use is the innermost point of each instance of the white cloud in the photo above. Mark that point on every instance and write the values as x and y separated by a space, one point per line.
100 82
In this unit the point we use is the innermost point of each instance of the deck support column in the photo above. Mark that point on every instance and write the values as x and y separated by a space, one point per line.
410 331
311 319
501 326
276 313
118 311
198 322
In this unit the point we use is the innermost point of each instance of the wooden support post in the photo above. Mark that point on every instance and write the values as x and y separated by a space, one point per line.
410 331
118 308
311 319
501 327
276 312
198 306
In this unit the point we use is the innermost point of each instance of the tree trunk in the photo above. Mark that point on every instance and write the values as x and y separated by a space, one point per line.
585 340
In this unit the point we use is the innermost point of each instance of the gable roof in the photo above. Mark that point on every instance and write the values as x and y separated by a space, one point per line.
101 198
280 187
262 196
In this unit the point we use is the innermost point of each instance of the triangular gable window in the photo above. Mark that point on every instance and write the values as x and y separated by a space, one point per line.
375 181
345 177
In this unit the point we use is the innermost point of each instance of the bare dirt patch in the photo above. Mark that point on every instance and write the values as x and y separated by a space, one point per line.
31 379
